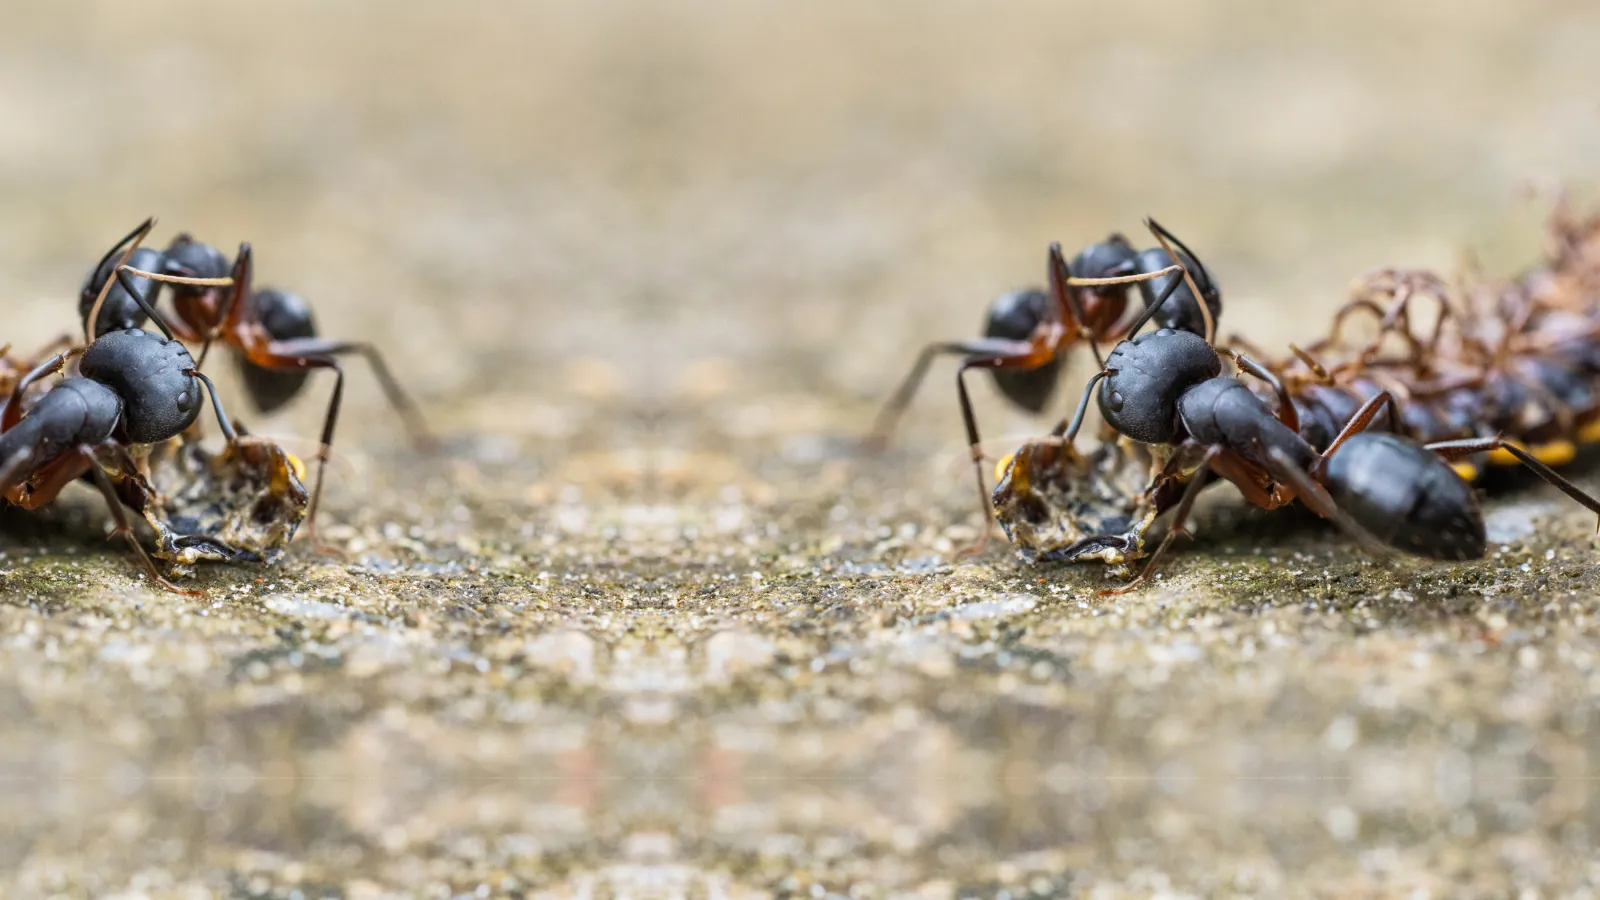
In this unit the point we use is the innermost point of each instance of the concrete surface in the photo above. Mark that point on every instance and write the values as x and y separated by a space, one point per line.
651 626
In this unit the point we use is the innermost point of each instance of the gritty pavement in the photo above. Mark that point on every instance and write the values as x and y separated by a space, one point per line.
652 623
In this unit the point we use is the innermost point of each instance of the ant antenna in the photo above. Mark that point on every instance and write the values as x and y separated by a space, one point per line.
1162 232
132 241
126 281
1151 310
1071 431
223 422
1162 235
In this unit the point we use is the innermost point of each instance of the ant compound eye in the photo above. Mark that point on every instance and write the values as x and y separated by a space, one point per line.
1114 402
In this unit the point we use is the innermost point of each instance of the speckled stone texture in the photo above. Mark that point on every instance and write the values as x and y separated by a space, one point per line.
652 624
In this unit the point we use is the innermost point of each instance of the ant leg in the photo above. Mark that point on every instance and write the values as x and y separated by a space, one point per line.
300 353
233 304
13 411
1287 414
324 450
1310 362
1030 356
974 445
1190 493
1358 423
1067 307
1316 497
123 527
1343 312
891 411
287 362
397 396
1468 446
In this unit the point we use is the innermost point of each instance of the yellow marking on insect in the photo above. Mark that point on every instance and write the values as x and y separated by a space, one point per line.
1555 453
1590 433
1001 466
1469 472
298 466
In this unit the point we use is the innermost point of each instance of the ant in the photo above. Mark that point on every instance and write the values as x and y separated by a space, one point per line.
133 387
1027 333
271 331
1167 388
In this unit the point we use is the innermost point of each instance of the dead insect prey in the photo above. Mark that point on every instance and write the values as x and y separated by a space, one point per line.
240 505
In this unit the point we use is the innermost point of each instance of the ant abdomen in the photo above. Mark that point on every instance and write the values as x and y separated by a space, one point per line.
1406 496
1146 376
1181 311
119 310
1012 316
154 377
285 317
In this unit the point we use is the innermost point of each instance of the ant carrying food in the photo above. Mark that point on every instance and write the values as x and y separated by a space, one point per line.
1385 490
272 332
1028 333
133 387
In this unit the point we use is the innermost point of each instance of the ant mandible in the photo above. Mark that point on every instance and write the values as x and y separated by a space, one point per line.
1167 387
133 387
1028 333
272 331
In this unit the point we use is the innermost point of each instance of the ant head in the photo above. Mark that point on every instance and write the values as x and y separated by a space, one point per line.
1405 495
1181 310
1014 316
1146 376
1111 258
189 258
152 375
119 311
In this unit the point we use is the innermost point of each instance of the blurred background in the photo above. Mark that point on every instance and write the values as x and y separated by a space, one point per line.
652 266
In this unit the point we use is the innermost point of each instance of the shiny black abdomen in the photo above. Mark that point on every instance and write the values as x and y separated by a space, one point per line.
1406 496
1014 316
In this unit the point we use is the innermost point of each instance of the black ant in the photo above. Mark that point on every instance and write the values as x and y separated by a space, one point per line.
271 331
132 387
1027 333
1167 388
